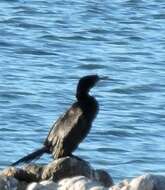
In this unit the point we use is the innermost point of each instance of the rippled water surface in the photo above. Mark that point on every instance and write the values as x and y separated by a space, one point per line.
47 45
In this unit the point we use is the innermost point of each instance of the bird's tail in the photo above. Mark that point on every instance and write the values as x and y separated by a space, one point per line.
32 156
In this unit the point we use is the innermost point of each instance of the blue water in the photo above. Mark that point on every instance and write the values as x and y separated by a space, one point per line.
47 45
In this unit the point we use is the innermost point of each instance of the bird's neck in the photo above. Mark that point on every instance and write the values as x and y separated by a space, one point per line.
82 96
82 93
89 106
87 103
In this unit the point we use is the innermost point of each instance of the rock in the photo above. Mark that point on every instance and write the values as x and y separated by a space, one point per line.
144 182
70 167
33 172
159 181
29 173
79 183
148 182
103 177
66 167
63 168
74 183
9 171
66 172
120 186
22 185
8 183
44 185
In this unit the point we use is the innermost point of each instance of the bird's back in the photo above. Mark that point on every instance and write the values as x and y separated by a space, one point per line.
67 132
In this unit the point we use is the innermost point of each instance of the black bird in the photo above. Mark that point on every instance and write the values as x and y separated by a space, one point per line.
71 128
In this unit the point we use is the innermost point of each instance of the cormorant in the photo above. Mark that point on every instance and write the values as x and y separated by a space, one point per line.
71 128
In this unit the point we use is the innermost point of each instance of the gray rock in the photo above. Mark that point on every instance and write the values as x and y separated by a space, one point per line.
22 185
103 177
159 181
144 182
79 183
9 171
70 167
8 180
120 186
148 182
8 183
66 167
31 172
44 185
57 170
66 172
73 183
28 173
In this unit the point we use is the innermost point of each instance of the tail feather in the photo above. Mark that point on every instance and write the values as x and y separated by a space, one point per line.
32 156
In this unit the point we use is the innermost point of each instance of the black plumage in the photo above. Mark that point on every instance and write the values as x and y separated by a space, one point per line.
71 128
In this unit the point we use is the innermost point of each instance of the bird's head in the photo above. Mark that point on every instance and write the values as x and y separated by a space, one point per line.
85 84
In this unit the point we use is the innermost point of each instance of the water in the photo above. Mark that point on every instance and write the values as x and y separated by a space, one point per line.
47 45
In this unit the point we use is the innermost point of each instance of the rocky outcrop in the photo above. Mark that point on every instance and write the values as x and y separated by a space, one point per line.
8 183
70 167
70 173
61 169
144 182
74 183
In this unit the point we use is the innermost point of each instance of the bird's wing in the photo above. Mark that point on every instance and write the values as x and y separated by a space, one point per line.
64 135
